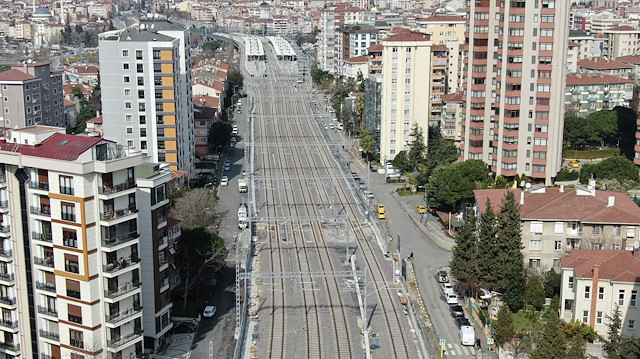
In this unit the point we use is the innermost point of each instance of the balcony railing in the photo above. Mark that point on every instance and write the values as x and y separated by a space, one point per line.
44 261
7 277
45 237
123 315
5 228
163 261
118 213
123 289
39 185
8 324
50 287
10 346
8 300
6 253
124 340
47 311
3 178
42 211
117 188
4 204
116 267
112 242
49 335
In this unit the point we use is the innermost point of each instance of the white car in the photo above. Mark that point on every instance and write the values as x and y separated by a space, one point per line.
451 298
331 126
234 133
325 126
224 181
226 167
234 139
447 288
235 127
209 311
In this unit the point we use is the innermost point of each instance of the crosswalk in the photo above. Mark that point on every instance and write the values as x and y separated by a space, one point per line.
459 351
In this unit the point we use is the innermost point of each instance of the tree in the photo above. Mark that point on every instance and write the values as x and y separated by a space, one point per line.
611 346
486 248
552 281
359 106
534 293
626 130
400 161
464 259
196 208
220 133
513 292
580 131
503 326
440 152
417 147
576 348
201 249
617 167
212 45
553 341
456 183
501 183
236 80
367 144
510 260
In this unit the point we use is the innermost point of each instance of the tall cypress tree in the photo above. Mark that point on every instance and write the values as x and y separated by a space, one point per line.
510 260
487 249
553 341
464 261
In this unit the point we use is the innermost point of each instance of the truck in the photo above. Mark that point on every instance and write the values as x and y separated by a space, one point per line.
242 185
467 335
243 219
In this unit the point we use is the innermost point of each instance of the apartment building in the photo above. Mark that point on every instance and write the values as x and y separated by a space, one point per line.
452 112
557 220
373 106
605 66
606 20
588 93
597 282
621 41
70 259
145 73
330 20
515 78
31 95
406 88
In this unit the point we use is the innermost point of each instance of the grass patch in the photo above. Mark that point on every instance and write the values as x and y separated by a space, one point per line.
404 192
590 154
523 321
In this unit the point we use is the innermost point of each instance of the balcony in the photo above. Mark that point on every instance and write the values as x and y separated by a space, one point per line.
41 211
50 335
47 311
116 241
116 268
113 344
117 188
47 262
45 237
3 178
5 228
123 315
162 241
44 186
7 277
4 204
8 324
10 346
118 213
8 300
6 253
121 290
49 287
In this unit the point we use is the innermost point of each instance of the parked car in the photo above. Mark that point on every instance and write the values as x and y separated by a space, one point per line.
443 276
235 128
224 181
462 321
451 298
457 311
184 327
447 288
209 311
331 126
381 212
422 209
574 164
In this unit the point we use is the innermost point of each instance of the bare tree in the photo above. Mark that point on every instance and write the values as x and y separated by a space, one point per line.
196 208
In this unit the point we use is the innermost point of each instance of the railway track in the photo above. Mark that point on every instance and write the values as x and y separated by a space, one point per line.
324 326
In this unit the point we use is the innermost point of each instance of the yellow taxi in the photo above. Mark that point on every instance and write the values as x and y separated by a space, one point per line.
381 212
574 164
422 209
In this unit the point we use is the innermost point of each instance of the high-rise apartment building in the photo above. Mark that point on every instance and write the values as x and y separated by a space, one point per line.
406 90
515 83
145 73
31 94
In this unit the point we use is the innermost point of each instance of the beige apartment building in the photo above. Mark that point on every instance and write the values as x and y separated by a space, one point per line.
451 122
557 220
621 41
595 283
406 88
515 79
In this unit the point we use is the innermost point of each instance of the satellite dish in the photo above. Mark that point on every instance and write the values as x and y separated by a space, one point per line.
528 185
522 183
636 245
142 26
156 15
149 15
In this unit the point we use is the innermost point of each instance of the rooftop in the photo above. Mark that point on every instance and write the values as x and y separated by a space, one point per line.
408 36
585 79
615 265
58 146
15 75
603 64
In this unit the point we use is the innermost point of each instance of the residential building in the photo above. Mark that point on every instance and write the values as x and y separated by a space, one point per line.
606 20
406 88
31 95
373 106
439 68
443 28
557 220
588 93
596 283
145 73
206 112
605 66
452 112
354 67
621 41
352 41
514 83
633 61
70 260
330 20
636 147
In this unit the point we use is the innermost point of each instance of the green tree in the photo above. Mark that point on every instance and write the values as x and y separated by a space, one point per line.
367 143
510 259
456 183
552 281
464 259
606 122
503 326
500 183
580 131
553 341
359 107
440 152
611 346
236 80
220 133
613 168
318 75
417 147
576 348
627 118
534 292
212 45
487 248
401 162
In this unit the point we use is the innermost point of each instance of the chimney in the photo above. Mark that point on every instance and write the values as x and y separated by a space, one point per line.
611 201
561 188
97 113
521 197
594 291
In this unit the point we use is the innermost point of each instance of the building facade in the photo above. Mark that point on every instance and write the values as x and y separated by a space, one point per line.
146 91
621 41
452 112
586 94
515 78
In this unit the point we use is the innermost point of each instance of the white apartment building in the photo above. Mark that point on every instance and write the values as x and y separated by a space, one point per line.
621 41
514 88
595 283
145 73
330 20
606 20
406 90
70 247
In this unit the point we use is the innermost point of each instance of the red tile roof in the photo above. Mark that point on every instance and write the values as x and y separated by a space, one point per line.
621 28
358 60
616 265
629 59
15 75
453 97
206 101
408 36
602 64
439 47
585 79
445 18
88 70
58 146
375 48
554 205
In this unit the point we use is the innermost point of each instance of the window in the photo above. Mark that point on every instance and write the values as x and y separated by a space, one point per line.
141 106
534 262
535 244
125 53
634 298
544 87
156 54
621 297
127 118
71 263
557 245
587 292
138 54
139 68
546 46
140 94
68 211
143 119
75 339
140 81
69 238
598 317
66 185
601 293
585 316
127 105
597 229
129 130
570 282
632 324
143 132
126 79
74 313
546 32
557 262
125 66
127 92
546 18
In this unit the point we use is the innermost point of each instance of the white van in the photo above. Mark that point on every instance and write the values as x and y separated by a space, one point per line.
467 335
